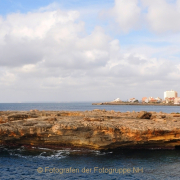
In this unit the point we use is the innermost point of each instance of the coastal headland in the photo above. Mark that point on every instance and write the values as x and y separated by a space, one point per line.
136 103
96 129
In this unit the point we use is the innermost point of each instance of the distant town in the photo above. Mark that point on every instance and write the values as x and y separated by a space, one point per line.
170 97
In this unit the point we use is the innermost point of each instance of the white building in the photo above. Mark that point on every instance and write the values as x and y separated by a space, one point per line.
117 100
158 99
170 94
133 100
177 100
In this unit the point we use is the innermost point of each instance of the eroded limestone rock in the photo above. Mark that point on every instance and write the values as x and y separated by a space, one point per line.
144 115
97 129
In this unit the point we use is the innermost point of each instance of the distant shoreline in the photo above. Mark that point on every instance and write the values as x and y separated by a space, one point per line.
142 104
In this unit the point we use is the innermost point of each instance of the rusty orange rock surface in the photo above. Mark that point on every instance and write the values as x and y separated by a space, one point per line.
97 129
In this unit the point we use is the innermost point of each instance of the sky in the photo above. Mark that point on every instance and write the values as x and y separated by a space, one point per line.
98 50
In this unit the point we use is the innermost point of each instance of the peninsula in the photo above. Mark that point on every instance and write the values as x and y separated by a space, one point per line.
136 103
96 129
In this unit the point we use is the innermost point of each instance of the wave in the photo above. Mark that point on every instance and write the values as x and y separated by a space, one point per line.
46 153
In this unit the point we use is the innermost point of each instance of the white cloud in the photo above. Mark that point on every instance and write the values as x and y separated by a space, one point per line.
160 16
127 14
7 78
47 55
163 16
37 24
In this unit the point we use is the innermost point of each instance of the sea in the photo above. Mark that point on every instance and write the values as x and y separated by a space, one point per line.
46 164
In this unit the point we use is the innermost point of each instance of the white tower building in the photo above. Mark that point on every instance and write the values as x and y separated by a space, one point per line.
170 94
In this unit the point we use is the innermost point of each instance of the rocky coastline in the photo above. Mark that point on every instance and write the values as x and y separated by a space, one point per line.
96 129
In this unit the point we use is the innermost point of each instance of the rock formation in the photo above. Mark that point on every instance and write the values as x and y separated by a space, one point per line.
97 129
144 115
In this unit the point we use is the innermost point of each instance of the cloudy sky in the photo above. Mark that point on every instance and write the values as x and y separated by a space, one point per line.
98 50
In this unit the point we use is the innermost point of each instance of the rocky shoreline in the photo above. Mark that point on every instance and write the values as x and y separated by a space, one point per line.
96 129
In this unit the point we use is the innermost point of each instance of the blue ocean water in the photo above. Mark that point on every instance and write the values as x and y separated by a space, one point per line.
83 106
22 163
56 164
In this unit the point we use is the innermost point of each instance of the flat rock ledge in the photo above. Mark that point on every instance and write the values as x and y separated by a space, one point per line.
96 129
